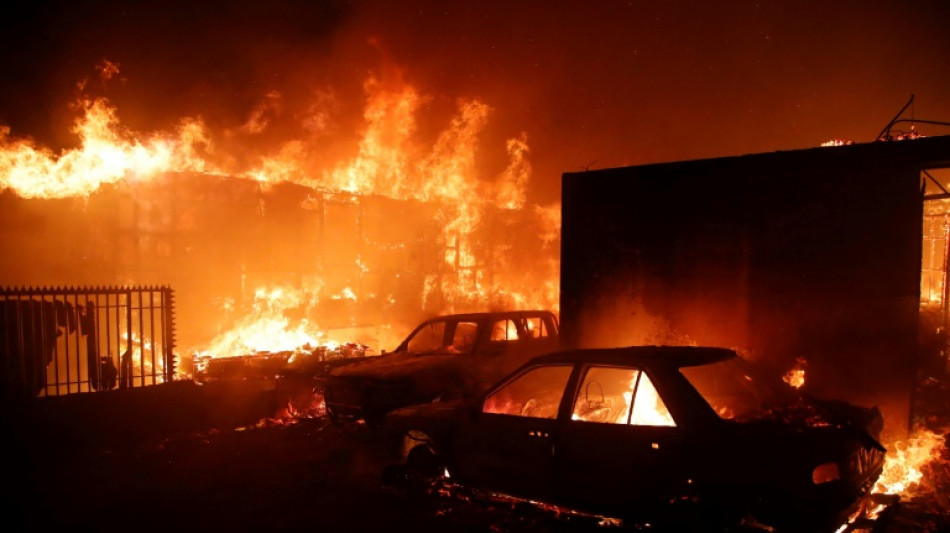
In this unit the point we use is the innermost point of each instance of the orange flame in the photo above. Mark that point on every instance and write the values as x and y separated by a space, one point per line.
266 328
107 153
906 461
796 376
390 162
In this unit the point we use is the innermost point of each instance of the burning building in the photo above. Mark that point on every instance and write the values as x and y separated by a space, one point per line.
281 255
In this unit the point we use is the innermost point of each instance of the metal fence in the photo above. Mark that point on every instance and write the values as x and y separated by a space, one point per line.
57 341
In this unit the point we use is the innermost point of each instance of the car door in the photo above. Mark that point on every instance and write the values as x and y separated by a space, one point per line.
621 447
508 443
496 355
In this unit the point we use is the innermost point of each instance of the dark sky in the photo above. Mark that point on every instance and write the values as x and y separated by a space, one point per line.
591 83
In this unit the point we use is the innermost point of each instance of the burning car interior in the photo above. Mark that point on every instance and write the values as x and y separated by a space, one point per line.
305 271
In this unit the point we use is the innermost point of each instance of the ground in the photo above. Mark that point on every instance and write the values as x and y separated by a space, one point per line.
281 475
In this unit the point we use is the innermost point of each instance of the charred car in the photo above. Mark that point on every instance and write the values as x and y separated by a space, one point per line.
452 356
654 435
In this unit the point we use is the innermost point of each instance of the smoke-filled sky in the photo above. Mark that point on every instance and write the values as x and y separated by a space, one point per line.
591 84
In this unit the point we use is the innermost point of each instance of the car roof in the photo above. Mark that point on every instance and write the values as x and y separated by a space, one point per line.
677 356
475 317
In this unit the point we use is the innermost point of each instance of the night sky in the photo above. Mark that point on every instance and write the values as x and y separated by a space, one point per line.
592 84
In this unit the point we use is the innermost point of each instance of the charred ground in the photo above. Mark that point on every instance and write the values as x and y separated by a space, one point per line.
294 473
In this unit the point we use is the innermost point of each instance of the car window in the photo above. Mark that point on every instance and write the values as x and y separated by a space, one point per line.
732 388
605 397
536 328
428 338
504 330
463 338
535 394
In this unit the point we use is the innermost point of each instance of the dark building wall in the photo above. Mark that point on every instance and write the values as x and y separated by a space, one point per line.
810 253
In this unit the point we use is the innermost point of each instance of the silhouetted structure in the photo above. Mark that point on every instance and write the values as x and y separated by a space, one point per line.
61 341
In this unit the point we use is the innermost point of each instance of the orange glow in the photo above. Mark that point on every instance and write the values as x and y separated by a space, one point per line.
648 408
390 161
906 461
107 153
796 376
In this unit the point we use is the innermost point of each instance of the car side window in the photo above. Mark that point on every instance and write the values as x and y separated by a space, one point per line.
428 338
536 328
504 330
535 394
605 397
464 337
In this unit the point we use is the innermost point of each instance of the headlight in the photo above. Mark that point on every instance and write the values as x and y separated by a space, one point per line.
824 473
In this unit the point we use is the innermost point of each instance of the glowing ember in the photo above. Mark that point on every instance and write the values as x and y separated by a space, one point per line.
796 376
905 461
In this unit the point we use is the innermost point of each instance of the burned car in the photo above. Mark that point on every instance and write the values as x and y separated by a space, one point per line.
654 435
452 356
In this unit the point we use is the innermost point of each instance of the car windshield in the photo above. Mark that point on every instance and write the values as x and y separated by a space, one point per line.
443 337
733 389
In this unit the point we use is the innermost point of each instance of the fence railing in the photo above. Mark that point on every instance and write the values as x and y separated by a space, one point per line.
57 341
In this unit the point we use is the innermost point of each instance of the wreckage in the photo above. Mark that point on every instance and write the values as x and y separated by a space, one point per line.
444 357
306 361
682 435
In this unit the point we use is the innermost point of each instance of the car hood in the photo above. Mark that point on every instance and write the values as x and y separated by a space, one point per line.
397 365
805 414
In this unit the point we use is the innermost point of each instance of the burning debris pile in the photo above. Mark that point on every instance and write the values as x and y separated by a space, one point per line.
305 361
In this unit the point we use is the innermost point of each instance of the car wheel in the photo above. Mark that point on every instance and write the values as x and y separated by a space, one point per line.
423 465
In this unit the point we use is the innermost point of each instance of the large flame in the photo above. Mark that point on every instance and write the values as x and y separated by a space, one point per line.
906 462
390 161
107 153
266 328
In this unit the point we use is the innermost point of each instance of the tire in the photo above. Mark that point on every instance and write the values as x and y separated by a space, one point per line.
423 465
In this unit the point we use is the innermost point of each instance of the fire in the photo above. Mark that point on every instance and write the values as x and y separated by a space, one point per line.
648 409
906 460
107 153
266 328
390 161
796 376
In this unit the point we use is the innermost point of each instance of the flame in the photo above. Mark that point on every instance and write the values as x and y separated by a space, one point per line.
514 180
266 328
906 461
107 153
795 377
390 161
649 410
